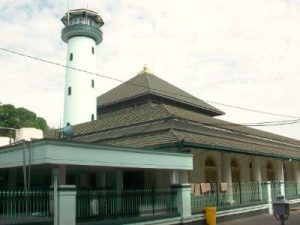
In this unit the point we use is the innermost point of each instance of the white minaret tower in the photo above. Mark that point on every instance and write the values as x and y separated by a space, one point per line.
82 33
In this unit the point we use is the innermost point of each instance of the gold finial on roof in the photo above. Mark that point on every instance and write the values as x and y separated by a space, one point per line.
145 70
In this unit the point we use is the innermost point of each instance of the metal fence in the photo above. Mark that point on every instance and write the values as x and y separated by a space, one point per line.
117 205
236 195
18 205
292 189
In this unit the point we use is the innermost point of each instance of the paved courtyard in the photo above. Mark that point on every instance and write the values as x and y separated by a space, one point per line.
265 219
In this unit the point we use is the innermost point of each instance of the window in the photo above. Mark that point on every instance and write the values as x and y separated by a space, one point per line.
71 57
211 171
93 84
93 50
69 90
93 117
210 162
68 124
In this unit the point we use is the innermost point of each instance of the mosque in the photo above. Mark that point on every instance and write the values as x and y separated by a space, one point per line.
149 113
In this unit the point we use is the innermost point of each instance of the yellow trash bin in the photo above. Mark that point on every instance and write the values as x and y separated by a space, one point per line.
210 215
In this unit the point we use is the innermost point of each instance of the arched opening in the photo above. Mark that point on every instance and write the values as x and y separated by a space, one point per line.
93 83
235 171
92 117
69 90
71 56
211 170
93 50
270 171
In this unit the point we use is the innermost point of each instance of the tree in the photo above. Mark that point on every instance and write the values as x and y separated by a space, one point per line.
11 117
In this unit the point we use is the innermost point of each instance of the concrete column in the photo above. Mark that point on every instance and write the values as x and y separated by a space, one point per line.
101 180
219 167
12 177
256 169
279 175
245 170
174 177
183 200
62 174
54 204
296 172
269 198
67 205
226 174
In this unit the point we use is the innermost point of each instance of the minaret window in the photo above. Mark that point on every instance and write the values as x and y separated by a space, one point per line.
69 90
71 56
92 117
93 50
93 84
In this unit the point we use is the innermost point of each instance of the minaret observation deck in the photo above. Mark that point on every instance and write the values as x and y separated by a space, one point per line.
82 22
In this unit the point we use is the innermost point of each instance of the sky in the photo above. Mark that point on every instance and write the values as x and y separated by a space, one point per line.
243 53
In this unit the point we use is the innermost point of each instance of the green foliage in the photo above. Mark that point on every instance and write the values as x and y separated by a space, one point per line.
17 118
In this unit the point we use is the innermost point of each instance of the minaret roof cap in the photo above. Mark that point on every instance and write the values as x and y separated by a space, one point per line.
84 12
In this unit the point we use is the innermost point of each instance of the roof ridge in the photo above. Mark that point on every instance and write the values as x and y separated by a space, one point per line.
172 131
147 81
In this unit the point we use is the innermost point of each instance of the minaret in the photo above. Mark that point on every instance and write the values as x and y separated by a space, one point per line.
82 33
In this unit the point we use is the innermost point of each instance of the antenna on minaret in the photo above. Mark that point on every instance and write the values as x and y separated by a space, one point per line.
68 12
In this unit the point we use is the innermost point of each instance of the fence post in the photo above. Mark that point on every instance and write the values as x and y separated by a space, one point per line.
268 183
183 200
282 188
67 205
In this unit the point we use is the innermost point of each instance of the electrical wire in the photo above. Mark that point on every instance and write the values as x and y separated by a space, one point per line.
131 83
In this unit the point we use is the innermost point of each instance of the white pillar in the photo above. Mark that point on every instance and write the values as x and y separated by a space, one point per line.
67 205
226 174
296 175
269 198
174 177
183 200
256 168
279 175
55 174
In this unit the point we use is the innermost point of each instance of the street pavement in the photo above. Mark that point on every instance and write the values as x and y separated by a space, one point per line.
265 219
